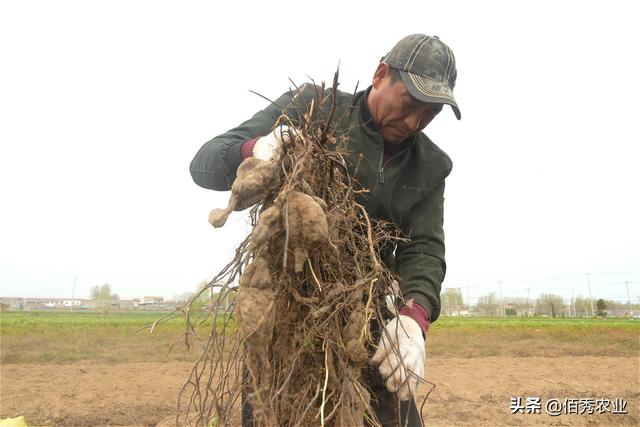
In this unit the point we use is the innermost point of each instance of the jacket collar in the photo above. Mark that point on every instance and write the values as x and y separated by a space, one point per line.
365 113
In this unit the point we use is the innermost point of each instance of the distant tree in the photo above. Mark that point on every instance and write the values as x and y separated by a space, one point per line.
615 305
488 304
550 305
582 306
206 297
601 305
183 297
518 304
452 300
103 292
510 311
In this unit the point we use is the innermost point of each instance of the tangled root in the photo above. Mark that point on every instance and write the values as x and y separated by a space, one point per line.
310 288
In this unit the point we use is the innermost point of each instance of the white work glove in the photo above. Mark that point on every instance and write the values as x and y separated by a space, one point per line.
268 146
401 355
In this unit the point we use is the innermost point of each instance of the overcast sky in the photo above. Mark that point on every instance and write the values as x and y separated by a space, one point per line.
104 104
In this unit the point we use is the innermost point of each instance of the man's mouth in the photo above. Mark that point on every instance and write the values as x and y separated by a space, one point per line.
399 132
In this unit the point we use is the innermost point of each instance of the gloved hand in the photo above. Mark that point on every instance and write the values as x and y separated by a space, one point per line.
268 146
401 355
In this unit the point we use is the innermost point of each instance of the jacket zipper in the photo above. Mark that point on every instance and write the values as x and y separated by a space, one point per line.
383 163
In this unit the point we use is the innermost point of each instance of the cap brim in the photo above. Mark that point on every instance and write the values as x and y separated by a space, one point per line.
427 90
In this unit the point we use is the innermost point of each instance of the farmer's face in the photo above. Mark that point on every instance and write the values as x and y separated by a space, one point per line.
396 113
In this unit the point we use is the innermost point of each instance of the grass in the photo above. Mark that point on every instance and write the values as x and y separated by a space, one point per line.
533 336
66 337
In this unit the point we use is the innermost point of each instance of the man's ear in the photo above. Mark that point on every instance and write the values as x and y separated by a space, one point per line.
381 73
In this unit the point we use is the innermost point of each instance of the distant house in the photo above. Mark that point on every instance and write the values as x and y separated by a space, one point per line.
152 300
126 304
41 303
150 303
72 303
56 303
12 303
106 303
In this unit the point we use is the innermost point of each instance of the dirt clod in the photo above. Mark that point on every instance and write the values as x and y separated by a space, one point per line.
268 224
254 181
255 315
307 226
256 275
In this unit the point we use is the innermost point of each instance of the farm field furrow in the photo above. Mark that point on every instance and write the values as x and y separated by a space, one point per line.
469 391
102 369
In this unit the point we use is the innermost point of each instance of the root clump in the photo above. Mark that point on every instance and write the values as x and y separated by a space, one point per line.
310 286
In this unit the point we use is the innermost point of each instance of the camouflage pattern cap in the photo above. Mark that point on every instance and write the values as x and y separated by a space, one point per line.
427 67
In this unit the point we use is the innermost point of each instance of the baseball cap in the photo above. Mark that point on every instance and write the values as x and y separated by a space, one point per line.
427 68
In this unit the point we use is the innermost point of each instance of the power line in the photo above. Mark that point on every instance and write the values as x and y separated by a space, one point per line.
545 279
618 272
615 283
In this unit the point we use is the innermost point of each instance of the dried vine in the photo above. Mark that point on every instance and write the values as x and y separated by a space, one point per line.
308 286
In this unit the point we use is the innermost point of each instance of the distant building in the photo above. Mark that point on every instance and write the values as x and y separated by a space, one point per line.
151 303
36 303
72 303
106 303
152 300
12 303
127 304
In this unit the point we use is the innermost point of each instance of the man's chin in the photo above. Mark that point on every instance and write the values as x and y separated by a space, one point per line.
394 136
391 137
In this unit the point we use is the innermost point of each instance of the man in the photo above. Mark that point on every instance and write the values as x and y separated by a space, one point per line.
404 172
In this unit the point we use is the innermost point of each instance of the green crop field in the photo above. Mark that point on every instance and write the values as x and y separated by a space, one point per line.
533 336
40 320
64 337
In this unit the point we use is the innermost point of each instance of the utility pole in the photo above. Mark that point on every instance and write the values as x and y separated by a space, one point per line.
528 306
590 297
448 306
73 292
501 300
468 302
455 302
629 300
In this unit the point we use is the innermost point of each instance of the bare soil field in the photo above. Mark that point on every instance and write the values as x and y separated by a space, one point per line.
469 391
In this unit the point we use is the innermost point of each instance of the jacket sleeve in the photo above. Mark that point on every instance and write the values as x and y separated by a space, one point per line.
420 261
214 166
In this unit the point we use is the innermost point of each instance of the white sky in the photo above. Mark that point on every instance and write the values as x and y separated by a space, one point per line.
103 105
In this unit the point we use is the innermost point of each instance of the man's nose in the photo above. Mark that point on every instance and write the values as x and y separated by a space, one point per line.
412 121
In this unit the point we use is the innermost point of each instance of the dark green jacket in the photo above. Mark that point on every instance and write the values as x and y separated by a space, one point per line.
407 190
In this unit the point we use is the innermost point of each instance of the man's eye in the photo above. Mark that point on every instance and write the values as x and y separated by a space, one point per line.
407 100
413 105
